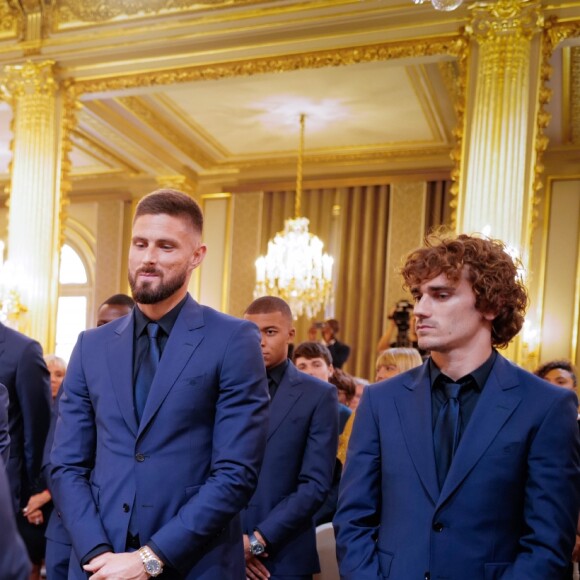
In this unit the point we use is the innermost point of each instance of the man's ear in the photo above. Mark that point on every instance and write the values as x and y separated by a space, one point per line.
198 256
331 369
291 334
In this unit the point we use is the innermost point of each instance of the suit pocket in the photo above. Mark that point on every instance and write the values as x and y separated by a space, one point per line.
496 571
385 561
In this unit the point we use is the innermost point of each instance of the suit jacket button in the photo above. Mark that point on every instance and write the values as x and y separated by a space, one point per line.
125 507
427 576
438 526
140 457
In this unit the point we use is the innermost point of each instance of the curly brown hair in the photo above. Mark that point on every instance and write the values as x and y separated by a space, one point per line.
492 272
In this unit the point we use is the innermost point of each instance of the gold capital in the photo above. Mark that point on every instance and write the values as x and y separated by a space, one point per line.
30 78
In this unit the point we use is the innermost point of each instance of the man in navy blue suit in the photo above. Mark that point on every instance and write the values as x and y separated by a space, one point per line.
468 466
162 421
23 372
279 533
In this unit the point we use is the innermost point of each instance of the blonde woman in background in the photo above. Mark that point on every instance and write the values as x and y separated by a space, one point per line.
390 362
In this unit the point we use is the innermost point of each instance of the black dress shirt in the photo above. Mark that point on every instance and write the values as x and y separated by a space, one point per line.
468 396
275 375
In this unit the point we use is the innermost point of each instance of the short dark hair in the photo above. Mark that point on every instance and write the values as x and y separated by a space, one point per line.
565 365
119 300
491 271
344 383
310 350
171 202
268 305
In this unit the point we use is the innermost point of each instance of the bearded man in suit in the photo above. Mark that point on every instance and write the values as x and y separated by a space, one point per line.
162 421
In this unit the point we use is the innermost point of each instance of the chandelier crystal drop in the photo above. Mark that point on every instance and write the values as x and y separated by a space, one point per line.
295 267
442 5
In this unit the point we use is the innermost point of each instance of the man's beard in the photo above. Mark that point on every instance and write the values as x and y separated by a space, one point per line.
145 294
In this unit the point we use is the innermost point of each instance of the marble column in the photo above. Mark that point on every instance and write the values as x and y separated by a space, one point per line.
496 189
35 203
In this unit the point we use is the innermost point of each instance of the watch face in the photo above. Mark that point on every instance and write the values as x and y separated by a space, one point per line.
153 567
257 549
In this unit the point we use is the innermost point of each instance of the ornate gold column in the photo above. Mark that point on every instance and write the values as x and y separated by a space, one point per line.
497 169
34 218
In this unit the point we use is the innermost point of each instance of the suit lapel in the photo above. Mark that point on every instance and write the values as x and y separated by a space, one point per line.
496 405
286 397
120 361
185 337
414 409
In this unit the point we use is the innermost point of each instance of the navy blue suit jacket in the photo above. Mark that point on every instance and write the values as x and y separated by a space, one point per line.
14 562
297 472
508 507
23 372
192 463
4 433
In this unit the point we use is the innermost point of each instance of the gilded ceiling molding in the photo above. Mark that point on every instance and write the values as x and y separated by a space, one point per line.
450 45
342 158
107 156
150 117
104 10
9 21
179 182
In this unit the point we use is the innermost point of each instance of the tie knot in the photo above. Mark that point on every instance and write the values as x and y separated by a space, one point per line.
152 329
452 390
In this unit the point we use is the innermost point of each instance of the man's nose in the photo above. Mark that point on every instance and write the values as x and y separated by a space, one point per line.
420 309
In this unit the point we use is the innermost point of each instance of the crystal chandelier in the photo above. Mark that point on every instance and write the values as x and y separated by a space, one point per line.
295 269
443 5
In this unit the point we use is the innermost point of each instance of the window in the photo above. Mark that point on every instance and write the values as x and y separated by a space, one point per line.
73 301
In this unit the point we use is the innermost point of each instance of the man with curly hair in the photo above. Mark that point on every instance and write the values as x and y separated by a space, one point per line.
467 467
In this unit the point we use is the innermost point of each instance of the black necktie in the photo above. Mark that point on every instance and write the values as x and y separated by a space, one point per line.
272 387
446 432
147 370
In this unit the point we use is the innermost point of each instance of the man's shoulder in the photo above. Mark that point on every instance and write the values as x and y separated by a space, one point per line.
16 341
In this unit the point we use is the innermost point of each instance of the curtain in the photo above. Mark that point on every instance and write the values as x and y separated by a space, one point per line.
438 210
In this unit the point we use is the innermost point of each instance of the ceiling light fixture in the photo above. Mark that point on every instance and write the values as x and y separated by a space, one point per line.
294 268
442 5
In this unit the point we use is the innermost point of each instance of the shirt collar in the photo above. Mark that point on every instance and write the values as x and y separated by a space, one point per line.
276 373
478 377
166 322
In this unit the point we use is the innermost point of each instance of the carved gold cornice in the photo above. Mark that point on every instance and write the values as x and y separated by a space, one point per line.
9 22
104 10
151 118
179 182
449 45
342 158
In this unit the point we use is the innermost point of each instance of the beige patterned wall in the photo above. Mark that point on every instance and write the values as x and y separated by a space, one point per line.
406 232
247 217
110 219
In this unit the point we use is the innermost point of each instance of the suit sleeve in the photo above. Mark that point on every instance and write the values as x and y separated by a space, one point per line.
552 495
358 513
14 563
239 441
4 434
32 383
295 512
72 459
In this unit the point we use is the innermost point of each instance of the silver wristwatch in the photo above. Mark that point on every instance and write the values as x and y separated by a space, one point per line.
256 547
152 564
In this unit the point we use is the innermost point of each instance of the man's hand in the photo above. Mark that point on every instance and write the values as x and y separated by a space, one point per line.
255 570
576 551
124 566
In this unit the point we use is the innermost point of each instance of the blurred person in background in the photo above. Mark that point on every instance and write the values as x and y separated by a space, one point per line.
396 360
